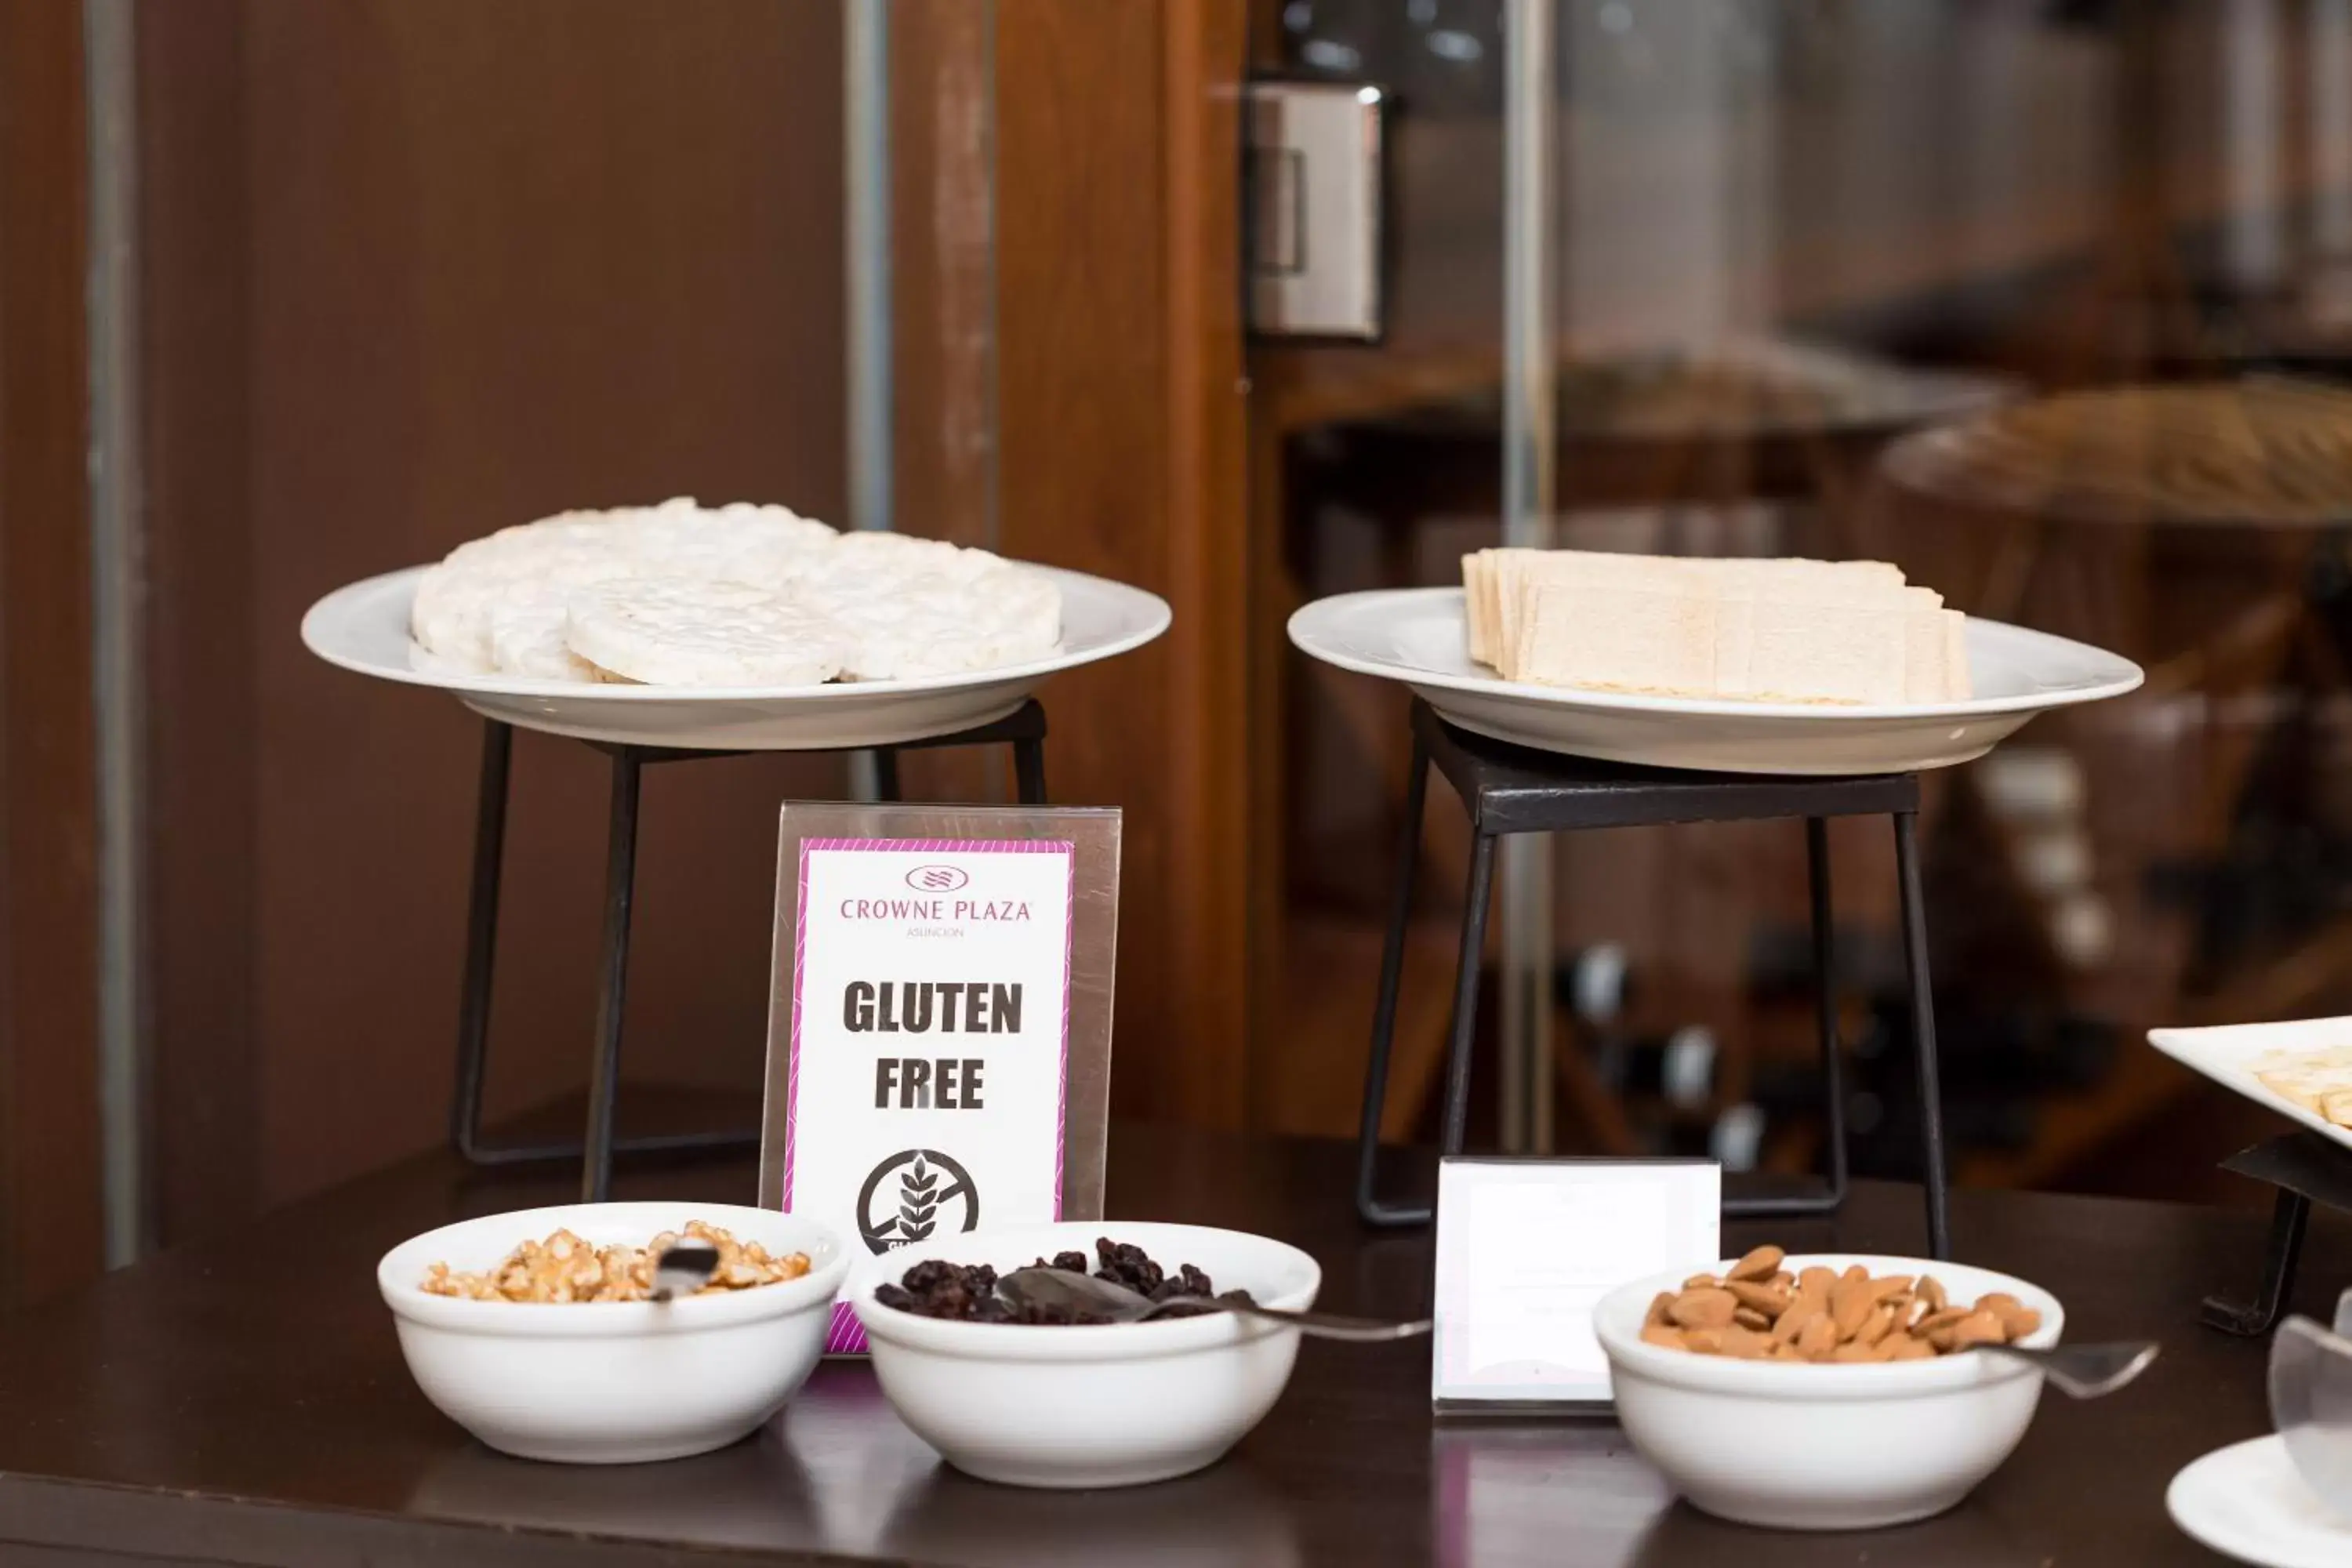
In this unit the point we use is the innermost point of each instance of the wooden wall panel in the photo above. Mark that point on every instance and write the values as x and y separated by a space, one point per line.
418 269
50 1216
1121 425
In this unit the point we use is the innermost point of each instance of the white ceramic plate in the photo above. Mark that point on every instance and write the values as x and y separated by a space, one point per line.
2247 1500
2227 1054
364 628
1416 636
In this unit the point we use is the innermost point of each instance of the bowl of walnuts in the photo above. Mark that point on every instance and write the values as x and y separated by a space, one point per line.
543 1331
1825 1392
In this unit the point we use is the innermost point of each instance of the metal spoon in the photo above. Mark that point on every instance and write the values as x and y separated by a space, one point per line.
683 1269
2086 1371
1060 1289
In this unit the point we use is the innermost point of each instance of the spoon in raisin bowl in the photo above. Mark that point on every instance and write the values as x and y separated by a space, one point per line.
1085 1298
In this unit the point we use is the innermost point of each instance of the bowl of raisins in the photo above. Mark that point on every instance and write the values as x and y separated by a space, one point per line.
1056 1399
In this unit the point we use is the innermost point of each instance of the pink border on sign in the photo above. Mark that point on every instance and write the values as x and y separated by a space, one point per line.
847 1336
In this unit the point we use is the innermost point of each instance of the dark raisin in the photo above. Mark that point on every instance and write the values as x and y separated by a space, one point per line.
967 1292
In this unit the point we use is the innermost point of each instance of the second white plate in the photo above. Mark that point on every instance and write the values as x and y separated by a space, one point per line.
1416 636
364 628
2226 1054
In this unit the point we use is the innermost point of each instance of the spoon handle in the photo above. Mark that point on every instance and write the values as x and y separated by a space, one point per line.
1322 1325
2085 1371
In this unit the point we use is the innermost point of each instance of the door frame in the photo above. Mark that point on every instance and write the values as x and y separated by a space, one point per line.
52 1219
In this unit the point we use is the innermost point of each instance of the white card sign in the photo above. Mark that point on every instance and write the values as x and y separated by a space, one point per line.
1527 1247
939 1025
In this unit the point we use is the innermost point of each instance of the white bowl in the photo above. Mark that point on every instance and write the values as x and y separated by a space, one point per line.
609 1383
1803 1446
1103 1406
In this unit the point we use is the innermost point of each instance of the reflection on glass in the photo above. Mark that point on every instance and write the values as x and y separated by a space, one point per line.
1797 244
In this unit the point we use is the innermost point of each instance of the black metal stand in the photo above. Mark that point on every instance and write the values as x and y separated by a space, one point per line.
1023 730
2306 1168
1510 789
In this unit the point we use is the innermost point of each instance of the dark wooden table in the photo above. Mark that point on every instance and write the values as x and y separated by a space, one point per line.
246 1403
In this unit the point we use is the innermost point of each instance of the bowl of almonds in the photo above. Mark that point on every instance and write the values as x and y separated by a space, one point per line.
1828 1391
546 1334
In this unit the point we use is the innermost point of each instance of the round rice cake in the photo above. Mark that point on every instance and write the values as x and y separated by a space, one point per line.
463 606
738 543
933 626
677 629
528 631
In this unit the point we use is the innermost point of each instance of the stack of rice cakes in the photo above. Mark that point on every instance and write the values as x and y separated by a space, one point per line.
739 595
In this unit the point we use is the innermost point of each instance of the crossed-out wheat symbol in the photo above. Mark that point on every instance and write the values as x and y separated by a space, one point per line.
928 1179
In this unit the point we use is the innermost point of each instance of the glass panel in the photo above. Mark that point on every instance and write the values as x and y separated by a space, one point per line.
2049 303
409 272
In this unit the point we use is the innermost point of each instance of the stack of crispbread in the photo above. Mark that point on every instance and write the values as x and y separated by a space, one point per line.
1762 631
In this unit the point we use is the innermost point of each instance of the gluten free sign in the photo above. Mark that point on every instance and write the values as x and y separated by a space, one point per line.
929 1032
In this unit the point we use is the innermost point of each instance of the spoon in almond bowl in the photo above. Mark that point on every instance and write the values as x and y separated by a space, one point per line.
2084 1371
1084 1298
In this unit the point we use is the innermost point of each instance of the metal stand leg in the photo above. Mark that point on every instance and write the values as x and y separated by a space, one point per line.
481 941
1029 771
612 980
1465 990
1923 1033
1376 1071
474 1007
2289 1216
1817 860
1024 730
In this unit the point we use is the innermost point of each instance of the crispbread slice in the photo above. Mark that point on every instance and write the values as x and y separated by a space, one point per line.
1612 636
1474 605
1827 653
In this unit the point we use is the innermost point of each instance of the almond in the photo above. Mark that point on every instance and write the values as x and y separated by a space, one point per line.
1701 1282
1976 1329
1817 1279
1744 1344
1703 1308
1749 1318
1793 1322
1658 1305
1761 1264
1818 1337
1931 1290
1875 1326
1851 1305
1765 1298
1662 1334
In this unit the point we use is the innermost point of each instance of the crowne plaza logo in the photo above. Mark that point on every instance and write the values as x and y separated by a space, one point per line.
936 878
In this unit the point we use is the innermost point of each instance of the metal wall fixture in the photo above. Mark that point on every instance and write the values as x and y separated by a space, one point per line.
1315 227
